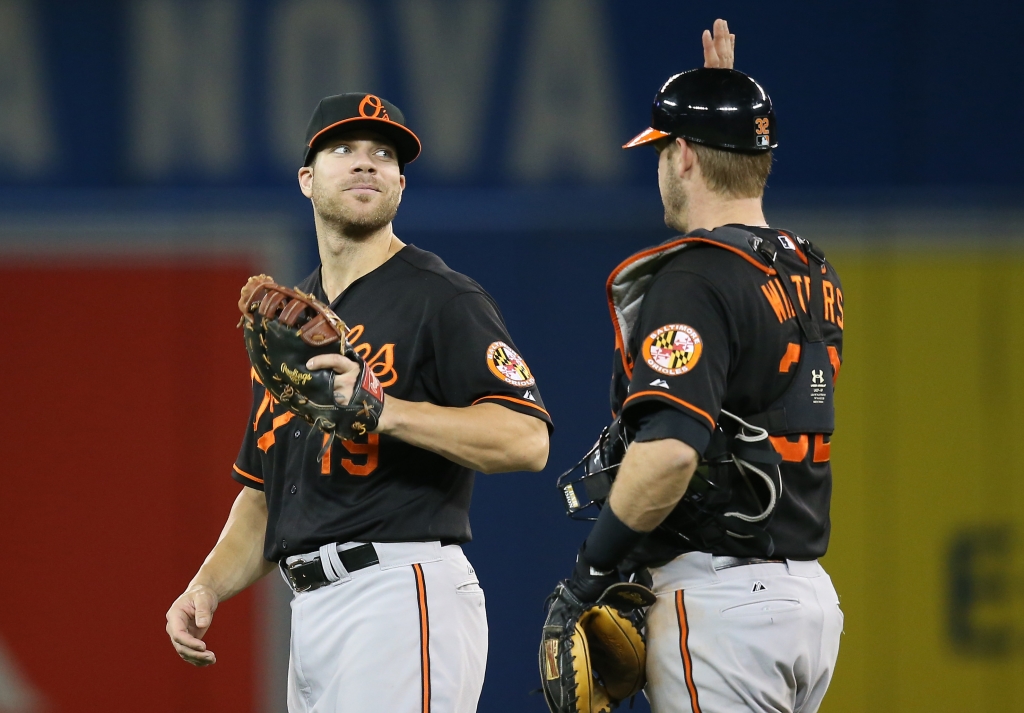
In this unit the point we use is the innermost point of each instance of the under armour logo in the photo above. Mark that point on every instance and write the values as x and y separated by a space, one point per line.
817 376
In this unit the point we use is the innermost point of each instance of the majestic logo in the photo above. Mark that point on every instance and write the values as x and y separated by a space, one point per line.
673 349
372 107
528 395
660 382
507 365
299 378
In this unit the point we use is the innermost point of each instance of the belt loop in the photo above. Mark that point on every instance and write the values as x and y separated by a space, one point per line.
334 570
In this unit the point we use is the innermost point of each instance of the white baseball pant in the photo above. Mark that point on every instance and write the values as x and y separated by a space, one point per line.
407 635
756 637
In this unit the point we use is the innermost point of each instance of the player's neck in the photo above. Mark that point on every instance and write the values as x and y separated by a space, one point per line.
711 210
345 259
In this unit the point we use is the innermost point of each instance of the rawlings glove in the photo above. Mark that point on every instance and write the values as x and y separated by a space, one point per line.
284 329
592 657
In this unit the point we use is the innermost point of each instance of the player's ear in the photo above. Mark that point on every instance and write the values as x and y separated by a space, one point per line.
401 181
687 158
306 181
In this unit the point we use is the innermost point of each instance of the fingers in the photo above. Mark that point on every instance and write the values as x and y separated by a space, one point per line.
188 647
337 362
187 621
725 45
710 54
719 47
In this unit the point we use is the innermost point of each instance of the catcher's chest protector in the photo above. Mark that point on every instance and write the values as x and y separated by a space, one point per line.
807 404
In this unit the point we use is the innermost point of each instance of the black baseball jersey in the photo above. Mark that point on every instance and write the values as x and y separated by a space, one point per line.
717 331
429 334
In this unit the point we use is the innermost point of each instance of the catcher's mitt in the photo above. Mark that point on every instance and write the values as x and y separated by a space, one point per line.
593 656
284 329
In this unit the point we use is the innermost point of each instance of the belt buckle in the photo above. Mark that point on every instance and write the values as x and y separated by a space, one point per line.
291 578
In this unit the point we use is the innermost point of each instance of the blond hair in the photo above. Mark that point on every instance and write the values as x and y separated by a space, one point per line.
737 175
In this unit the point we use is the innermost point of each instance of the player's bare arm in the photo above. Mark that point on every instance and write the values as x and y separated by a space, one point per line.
485 437
720 47
651 482
235 563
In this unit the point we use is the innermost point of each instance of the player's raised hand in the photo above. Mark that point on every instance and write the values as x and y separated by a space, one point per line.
720 48
347 372
188 619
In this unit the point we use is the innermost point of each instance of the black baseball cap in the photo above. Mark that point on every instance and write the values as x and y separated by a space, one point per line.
722 108
358 110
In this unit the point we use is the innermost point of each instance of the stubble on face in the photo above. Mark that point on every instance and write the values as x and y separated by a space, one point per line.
355 215
673 193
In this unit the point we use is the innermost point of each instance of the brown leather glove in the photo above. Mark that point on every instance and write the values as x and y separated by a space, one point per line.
285 328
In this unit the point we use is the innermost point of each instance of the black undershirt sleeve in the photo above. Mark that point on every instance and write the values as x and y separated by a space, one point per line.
660 421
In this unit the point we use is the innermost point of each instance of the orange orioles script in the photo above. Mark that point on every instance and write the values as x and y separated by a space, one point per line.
382 364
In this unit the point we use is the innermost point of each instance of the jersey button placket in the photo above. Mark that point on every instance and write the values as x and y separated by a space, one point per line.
284 544
294 489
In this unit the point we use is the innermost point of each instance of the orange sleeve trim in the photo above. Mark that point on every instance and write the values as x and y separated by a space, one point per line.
670 397
246 475
521 402
421 600
684 650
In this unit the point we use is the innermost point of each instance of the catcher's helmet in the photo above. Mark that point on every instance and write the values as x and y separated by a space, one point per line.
722 108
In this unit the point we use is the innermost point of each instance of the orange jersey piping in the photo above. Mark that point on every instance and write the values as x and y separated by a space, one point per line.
521 402
246 475
670 397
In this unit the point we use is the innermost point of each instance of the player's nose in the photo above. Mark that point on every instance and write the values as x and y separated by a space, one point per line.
363 163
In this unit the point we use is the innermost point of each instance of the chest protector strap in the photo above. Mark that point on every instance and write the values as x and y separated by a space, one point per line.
806 406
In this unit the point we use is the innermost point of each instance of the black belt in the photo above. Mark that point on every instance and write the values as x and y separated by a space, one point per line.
305 576
309 575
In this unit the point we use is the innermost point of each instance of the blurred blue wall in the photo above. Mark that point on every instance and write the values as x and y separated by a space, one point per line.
110 94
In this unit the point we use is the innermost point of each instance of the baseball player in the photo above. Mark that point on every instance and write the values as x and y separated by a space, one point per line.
388 615
728 344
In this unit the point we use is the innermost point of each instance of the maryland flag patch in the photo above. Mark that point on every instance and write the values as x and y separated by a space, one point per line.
673 349
507 365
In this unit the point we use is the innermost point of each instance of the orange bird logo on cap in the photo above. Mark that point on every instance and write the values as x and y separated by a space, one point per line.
372 107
